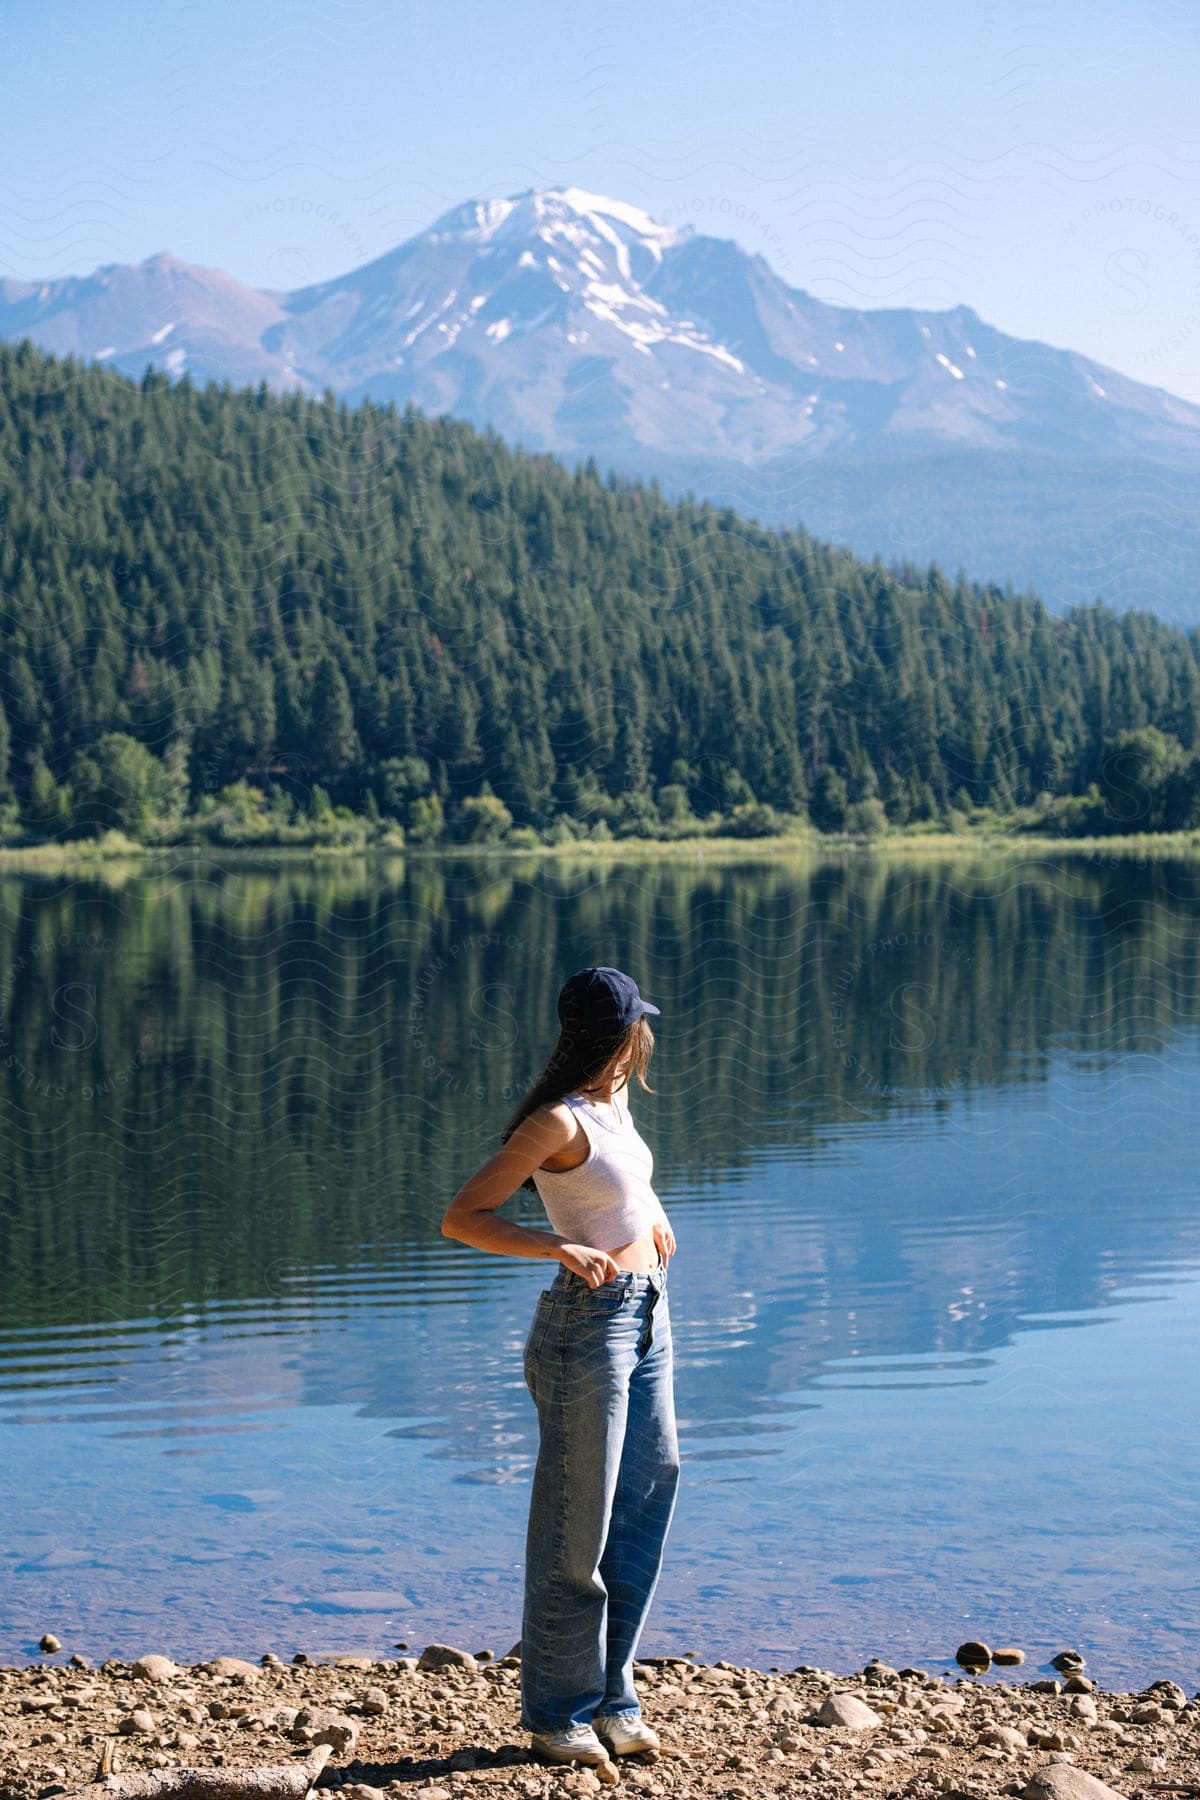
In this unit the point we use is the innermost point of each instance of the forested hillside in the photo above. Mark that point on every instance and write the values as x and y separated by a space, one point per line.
236 607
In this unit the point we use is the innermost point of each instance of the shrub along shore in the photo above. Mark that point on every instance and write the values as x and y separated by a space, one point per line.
81 853
446 1722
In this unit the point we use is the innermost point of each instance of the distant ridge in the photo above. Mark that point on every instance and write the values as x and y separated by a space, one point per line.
577 324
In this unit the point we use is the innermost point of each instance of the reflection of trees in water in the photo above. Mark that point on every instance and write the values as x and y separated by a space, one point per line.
205 1079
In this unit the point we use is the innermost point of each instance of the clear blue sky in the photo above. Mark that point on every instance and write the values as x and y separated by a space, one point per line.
1037 160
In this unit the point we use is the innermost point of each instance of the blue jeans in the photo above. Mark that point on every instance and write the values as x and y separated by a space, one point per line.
599 1366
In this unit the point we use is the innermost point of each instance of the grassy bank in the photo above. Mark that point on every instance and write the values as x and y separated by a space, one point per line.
81 854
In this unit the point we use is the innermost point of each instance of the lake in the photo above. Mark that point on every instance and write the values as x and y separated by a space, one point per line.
928 1137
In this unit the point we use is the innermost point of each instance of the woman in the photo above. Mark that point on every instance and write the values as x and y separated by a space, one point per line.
599 1366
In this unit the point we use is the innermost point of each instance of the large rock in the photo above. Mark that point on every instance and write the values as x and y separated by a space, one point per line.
229 1666
848 1711
341 1733
155 1668
444 1656
1063 1781
1169 1693
1004 1737
139 1720
323 1725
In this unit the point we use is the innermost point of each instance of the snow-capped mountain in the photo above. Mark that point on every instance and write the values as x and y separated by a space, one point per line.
577 324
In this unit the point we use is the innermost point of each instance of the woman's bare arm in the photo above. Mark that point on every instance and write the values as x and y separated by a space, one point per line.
471 1215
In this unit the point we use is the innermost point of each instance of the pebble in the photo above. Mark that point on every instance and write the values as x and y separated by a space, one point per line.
973 1655
1067 1662
49 1644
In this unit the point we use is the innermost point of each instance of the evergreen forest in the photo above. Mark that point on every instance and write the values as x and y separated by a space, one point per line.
235 616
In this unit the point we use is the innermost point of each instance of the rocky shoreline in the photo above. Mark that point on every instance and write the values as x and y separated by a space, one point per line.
446 1724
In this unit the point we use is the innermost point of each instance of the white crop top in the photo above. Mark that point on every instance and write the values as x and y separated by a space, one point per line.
607 1199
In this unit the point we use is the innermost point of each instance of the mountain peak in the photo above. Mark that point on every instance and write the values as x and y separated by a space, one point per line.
589 205
556 212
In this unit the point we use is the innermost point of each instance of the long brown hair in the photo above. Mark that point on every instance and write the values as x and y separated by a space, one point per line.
581 1060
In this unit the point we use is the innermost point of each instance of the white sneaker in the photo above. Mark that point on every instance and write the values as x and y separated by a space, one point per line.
625 1737
577 1743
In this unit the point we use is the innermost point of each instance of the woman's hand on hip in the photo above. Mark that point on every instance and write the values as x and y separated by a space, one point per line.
664 1239
596 1266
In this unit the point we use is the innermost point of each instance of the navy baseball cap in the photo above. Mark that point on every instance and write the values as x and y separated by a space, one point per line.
605 1000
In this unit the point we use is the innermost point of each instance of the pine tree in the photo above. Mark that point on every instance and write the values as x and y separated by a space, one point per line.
335 747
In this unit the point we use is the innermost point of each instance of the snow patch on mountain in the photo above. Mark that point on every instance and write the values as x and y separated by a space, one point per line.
656 237
478 221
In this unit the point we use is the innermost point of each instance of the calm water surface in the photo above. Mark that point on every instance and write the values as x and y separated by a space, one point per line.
928 1138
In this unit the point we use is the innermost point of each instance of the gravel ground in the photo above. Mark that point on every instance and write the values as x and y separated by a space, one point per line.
448 1723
